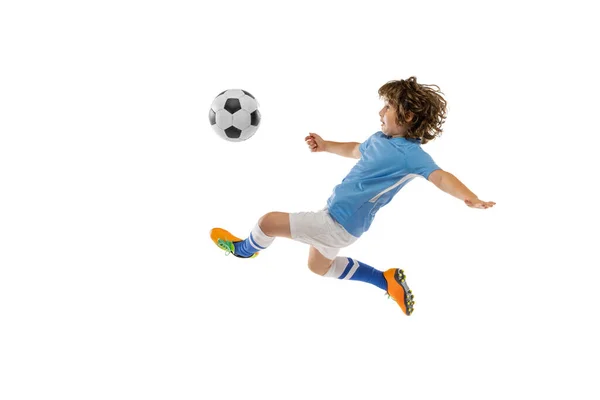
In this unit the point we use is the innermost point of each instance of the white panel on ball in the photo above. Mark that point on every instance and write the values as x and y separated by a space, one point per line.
241 119
234 93
248 103
248 132
224 119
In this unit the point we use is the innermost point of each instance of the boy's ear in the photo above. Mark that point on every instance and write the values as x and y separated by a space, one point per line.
409 116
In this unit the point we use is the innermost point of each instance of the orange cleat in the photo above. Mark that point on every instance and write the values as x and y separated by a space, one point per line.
225 240
398 290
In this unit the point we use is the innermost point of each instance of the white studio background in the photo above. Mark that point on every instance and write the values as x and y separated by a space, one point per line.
111 178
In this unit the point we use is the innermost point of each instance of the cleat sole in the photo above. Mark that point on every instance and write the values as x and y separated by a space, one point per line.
402 294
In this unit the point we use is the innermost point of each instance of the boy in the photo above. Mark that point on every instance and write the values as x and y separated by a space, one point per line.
412 115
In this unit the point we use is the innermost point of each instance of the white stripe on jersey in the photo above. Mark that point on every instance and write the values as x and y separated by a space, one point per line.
395 185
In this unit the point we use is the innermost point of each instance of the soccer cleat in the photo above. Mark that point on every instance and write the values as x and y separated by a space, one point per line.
399 290
225 240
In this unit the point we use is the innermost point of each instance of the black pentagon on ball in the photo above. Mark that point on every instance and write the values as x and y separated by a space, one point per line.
255 118
248 94
212 117
233 133
233 105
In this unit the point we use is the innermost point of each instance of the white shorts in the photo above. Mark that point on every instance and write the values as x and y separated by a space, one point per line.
321 231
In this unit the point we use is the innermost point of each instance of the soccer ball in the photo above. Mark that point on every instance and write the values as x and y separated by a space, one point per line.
234 115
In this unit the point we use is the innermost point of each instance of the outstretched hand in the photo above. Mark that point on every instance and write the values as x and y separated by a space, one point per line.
476 203
315 142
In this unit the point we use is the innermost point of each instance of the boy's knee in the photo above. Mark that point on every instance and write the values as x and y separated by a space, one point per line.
275 224
319 267
266 222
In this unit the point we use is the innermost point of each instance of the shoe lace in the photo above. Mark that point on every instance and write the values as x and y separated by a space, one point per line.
225 245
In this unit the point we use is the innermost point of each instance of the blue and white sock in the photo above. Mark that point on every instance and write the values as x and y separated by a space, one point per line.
350 269
257 241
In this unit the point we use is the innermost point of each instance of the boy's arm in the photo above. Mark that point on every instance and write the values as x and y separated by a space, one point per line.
451 185
344 149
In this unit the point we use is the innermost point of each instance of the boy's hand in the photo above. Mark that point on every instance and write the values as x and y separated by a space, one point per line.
476 203
315 142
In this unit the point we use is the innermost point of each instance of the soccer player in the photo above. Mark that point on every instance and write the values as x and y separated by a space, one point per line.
412 115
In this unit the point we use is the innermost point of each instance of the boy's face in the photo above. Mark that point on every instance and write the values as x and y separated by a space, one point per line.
388 118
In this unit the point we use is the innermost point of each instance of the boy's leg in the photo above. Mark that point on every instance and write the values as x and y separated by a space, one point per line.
276 224
317 262
269 226
392 281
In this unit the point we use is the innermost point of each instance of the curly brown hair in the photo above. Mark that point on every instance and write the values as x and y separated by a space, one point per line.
424 103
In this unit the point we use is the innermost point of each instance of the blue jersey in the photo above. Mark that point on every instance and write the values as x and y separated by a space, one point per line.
385 166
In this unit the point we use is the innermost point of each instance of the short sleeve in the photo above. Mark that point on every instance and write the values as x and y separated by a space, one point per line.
365 145
421 163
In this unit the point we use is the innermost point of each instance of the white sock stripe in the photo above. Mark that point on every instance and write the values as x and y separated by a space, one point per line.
259 239
337 267
355 266
331 271
253 243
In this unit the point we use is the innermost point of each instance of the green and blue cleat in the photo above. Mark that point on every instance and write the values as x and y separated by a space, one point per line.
225 241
